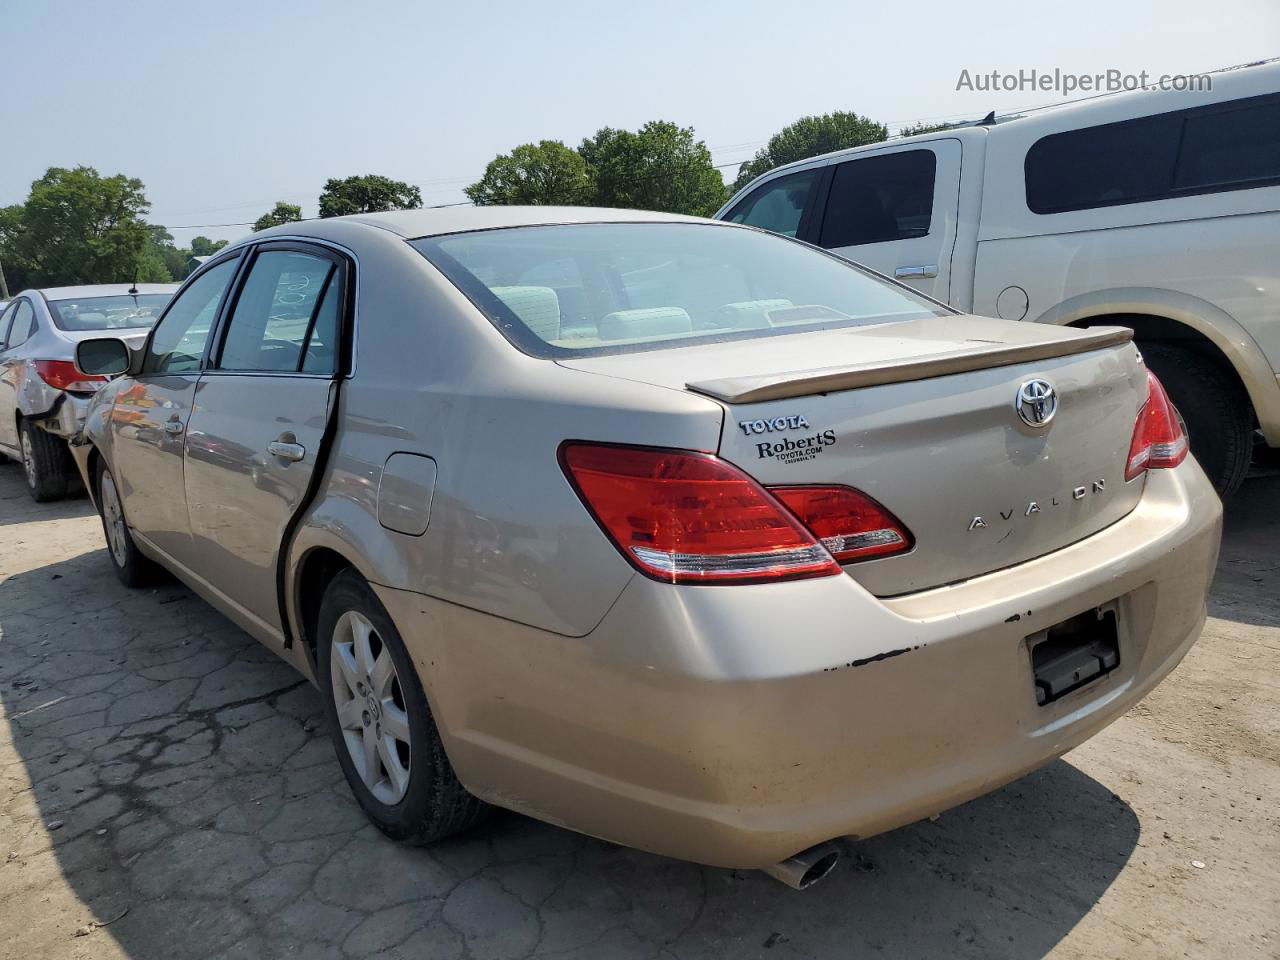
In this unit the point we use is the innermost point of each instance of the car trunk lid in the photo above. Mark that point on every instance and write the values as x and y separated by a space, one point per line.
922 417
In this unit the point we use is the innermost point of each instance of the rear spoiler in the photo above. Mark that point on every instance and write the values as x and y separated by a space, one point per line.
981 355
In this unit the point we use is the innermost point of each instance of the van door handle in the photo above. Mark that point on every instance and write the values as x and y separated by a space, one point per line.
173 426
286 450
924 271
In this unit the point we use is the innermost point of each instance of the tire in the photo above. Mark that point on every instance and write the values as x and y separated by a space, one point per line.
1216 410
420 800
131 567
46 461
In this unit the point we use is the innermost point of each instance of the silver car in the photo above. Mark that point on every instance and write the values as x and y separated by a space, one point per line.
42 395
673 532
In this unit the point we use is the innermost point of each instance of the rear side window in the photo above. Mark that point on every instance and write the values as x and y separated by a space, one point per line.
24 324
277 312
877 199
1225 146
1231 148
778 205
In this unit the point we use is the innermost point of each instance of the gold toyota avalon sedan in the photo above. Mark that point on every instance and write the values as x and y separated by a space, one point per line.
677 533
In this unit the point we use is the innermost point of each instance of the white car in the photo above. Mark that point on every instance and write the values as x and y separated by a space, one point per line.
1156 210
42 395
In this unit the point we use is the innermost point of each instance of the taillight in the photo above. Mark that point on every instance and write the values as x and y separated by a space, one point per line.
63 375
848 523
1158 438
685 517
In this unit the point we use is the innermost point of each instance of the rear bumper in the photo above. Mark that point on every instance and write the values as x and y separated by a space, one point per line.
65 415
738 725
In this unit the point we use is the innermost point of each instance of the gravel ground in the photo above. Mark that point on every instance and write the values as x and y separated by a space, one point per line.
166 792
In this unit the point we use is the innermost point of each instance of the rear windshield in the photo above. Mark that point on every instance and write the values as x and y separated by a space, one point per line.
108 313
585 289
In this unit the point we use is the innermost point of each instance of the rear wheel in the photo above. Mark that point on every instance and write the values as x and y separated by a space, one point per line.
46 463
131 567
381 725
1216 410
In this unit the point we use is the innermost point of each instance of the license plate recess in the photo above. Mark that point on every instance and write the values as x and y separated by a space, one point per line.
1073 653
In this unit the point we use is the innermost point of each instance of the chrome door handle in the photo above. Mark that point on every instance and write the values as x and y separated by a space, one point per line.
923 271
286 450
173 426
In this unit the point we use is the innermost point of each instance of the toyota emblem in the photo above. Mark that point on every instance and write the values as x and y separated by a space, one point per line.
1036 403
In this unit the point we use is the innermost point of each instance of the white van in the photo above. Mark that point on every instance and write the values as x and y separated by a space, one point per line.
1158 210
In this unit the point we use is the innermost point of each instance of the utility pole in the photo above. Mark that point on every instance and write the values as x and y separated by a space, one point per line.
4 287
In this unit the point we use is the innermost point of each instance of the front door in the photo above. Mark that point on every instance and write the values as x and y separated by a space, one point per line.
894 210
260 417
149 417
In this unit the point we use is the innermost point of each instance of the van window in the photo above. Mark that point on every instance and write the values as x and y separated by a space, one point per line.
874 199
778 205
1224 146
1231 147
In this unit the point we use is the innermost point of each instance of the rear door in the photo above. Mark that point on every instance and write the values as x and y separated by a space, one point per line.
149 417
895 211
260 418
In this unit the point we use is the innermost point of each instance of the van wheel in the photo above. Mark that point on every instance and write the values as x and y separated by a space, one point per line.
381 725
1216 410
46 462
131 567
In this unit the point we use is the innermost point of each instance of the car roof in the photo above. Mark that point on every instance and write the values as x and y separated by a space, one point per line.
105 290
434 222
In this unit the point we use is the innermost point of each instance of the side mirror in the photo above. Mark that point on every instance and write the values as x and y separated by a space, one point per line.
103 357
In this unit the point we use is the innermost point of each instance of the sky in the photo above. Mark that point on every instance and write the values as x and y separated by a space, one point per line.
223 108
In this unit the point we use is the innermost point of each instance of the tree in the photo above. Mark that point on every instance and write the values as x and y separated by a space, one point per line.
14 273
279 214
77 227
534 173
367 194
659 167
204 247
161 261
810 137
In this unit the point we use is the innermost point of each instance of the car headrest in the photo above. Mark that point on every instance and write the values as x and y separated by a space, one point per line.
650 322
748 314
537 307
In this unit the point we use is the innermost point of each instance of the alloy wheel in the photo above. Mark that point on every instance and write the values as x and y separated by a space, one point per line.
29 460
113 518
371 707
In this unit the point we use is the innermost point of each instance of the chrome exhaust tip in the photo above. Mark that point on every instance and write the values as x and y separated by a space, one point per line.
807 867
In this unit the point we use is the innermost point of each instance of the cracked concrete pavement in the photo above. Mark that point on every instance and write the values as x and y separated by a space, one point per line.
167 791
